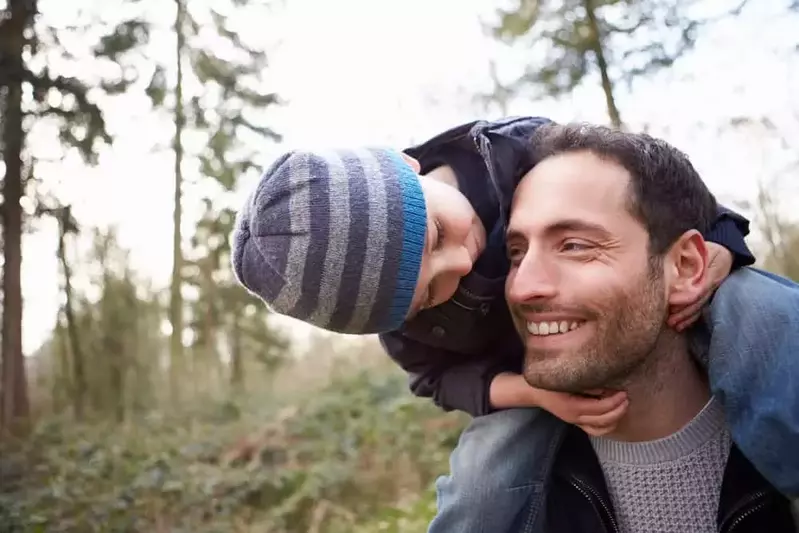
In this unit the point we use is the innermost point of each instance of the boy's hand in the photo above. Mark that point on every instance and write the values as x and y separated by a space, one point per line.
596 416
719 266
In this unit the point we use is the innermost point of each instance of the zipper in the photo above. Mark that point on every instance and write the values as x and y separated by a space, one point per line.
470 294
584 489
744 515
478 298
463 306
729 524
484 149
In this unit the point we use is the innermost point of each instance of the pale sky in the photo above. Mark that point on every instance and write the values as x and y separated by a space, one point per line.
385 72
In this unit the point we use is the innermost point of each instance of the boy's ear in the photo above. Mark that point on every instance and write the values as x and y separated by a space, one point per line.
687 264
412 162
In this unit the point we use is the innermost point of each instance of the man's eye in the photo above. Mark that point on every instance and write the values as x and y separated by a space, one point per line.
515 255
575 246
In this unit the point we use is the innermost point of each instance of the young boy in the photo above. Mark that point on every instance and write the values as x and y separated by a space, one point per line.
357 242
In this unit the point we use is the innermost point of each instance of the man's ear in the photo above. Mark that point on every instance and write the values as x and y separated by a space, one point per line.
687 262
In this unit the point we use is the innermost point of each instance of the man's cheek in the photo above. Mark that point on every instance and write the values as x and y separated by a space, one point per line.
593 276
509 279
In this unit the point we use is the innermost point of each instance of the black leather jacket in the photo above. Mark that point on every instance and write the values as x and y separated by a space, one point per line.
577 499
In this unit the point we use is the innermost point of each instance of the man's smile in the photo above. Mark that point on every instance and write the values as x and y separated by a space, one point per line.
550 333
553 327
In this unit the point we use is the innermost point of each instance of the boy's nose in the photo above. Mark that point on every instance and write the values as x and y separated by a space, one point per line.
461 261
453 264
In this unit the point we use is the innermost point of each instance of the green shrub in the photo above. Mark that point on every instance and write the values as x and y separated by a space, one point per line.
359 455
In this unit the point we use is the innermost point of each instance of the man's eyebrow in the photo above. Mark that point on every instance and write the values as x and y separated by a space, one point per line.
573 224
562 226
514 234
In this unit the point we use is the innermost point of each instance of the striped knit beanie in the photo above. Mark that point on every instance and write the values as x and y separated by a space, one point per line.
334 239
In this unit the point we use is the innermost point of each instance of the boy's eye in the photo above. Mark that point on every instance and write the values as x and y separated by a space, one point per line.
429 300
439 239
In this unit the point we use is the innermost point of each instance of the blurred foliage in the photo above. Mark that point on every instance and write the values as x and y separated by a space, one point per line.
69 102
225 101
118 369
599 42
774 214
42 97
357 455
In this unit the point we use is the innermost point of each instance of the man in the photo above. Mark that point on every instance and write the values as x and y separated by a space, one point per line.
605 234
386 251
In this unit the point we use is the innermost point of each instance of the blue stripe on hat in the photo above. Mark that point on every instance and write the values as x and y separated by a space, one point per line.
413 235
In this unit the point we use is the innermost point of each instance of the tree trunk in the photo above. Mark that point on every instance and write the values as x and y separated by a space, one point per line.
598 49
114 305
176 298
62 380
79 385
14 406
236 366
117 380
211 374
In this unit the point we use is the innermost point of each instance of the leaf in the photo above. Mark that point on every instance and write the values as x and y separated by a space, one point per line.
116 86
157 88
126 36
513 24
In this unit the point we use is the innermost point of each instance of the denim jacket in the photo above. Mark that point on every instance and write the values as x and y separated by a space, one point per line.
453 351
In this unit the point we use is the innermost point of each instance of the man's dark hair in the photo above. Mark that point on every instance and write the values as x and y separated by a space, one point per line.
666 193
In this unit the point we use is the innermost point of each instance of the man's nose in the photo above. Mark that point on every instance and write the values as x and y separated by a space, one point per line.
533 279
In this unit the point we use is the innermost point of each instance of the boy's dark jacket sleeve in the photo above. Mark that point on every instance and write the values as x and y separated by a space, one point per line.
729 231
488 159
453 381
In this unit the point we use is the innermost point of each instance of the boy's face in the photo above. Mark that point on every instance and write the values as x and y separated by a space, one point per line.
454 239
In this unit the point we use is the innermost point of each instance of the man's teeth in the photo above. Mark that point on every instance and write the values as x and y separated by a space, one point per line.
551 328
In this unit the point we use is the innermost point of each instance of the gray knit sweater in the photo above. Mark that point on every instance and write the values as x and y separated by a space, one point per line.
670 485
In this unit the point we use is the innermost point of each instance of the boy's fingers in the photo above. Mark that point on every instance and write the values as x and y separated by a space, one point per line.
597 431
597 394
677 318
688 314
688 322
605 419
593 407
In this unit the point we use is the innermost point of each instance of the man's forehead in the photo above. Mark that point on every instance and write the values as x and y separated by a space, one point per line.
575 185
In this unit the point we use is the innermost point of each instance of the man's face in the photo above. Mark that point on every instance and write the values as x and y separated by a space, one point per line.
584 296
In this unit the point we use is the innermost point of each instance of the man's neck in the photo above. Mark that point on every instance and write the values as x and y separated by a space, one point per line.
666 393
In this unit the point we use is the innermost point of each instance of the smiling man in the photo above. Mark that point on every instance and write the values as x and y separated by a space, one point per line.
605 234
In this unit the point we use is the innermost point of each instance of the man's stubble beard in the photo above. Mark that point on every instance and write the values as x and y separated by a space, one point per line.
629 326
